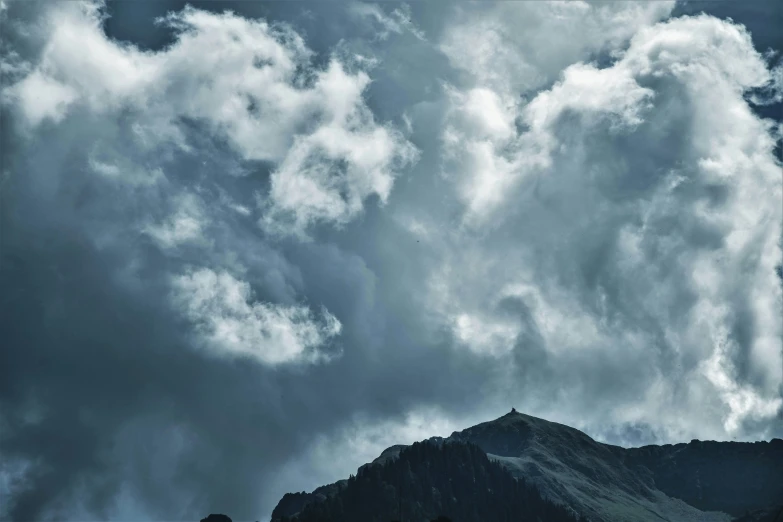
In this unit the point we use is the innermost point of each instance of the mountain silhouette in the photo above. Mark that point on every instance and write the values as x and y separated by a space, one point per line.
430 480
558 472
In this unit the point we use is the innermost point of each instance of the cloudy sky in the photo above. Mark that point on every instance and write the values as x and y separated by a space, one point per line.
246 246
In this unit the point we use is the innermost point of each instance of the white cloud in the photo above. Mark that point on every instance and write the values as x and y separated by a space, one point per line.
601 252
232 324
486 154
397 22
638 206
44 98
361 440
327 175
185 225
510 49
245 81
486 335
513 47
744 402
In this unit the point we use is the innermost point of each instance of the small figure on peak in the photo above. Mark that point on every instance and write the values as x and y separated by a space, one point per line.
513 410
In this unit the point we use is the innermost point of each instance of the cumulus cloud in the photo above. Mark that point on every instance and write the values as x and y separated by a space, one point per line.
232 324
505 65
580 218
519 48
142 175
249 82
185 225
327 175
644 200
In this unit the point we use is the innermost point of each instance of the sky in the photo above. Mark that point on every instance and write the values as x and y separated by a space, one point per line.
246 246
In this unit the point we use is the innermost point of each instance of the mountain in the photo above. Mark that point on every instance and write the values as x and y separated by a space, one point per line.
698 481
426 480
216 518
774 514
734 477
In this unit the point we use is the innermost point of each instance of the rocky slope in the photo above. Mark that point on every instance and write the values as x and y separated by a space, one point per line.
734 477
699 481
428 480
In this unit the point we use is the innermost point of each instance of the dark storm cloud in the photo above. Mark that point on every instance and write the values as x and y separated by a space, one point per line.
142 276
102 392
104 396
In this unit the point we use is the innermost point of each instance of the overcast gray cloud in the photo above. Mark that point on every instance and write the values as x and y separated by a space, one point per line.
244 257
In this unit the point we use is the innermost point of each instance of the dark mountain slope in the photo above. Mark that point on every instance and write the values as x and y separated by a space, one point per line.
724 476
431 479
696 482
573 469
772 514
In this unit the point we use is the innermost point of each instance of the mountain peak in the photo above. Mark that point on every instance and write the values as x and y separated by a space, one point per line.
511 434
566 465
604 482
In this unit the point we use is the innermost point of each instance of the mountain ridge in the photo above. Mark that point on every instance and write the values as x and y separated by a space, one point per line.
602 482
